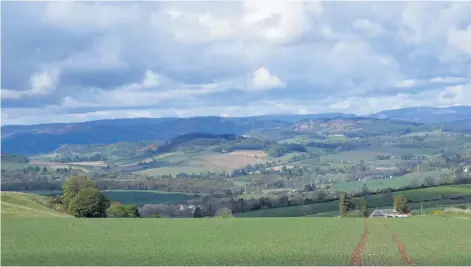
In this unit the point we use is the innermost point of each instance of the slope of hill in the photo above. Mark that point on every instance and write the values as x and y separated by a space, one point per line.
427 114
359 126
36 139
463 126
16 204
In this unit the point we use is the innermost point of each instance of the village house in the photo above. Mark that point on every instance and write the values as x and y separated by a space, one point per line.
388 213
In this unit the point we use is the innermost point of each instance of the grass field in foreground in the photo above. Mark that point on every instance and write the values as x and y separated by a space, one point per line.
236 241
430 241
300 241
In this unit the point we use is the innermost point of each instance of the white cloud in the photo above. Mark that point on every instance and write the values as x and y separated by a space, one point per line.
151 79
41 83
75 16
406 83
460 39
344 104
371 28
279 21
448 80
272 22
44 82
263 79
456 95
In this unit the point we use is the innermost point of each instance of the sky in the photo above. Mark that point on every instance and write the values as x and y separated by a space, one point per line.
79 61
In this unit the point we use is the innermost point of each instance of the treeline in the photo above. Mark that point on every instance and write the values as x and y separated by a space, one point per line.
196 186
80 158
194 139
14 158
209 206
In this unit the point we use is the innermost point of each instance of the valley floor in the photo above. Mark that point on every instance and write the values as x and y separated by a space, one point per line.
420 240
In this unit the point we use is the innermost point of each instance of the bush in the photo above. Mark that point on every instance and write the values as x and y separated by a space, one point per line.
224 213
436 212
89 203
122 211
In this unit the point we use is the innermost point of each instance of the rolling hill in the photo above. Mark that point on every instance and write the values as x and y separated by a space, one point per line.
16 204
37 139
427 114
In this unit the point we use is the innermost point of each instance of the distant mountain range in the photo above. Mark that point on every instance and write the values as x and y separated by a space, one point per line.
34 139
427 114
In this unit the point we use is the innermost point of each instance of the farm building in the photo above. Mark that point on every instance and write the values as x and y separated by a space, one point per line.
387 213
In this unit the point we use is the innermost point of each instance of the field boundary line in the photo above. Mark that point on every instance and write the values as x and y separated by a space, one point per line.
402 249
356 258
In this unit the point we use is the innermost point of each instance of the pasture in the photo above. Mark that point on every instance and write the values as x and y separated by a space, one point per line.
206 161
237 241
16 204
430 197
395 182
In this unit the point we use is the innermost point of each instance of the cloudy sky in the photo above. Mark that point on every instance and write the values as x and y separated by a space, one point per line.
77 61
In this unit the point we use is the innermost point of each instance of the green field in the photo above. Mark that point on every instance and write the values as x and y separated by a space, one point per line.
374 201
396 182
16 204
428 240
251 241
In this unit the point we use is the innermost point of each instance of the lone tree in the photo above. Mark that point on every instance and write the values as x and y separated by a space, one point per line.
345 204
73 185
89 203
400 204
364 207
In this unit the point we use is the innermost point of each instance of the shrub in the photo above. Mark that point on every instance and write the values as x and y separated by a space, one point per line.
457 210
122 211
224 213
436 212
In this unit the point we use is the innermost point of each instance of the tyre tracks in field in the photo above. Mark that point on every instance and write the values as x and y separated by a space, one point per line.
356 258
402 249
